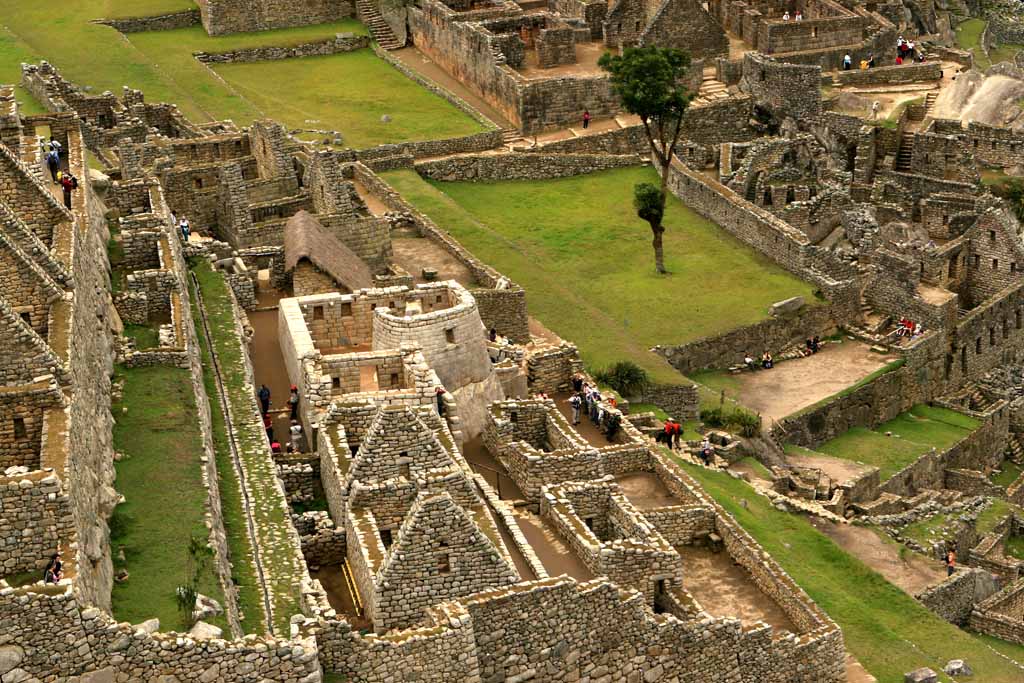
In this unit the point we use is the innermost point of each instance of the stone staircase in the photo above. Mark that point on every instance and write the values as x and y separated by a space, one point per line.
929 103
1015 449
905 155
711 89
368 13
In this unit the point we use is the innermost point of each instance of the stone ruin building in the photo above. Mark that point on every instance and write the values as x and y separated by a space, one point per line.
420 563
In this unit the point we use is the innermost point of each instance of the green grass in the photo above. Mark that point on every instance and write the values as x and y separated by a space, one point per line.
889 632
344 92
585 260
647 408
280 559
23 578
918 430
250 602
156 430
990 517
145 336
757 466
968 37
1014 547
351 92
930 529
1009 474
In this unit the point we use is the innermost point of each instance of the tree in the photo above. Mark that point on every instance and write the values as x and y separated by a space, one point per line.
648 81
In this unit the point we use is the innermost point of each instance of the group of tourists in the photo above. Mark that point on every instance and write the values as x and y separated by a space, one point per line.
767 362
798 16
908 328
294 428
54 571
906 51
67 181
671 434
587 398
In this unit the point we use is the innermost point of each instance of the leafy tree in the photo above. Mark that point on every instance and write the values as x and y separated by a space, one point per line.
648 81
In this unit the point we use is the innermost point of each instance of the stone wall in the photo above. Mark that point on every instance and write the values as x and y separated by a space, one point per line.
774 334
238 16
160 22
788 91
1002 615
342 42
519 166
890 75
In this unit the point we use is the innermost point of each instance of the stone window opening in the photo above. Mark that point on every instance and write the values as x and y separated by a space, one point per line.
1017 317
977 345
513 417
335 382
437 299
444 563
814 32
394 378
949 365
991 336
318 313
995 264
449 335
1013 267
963 359
198 182
27 317
19 428
589 521
977 260
992 236
385 538
346 309
404 470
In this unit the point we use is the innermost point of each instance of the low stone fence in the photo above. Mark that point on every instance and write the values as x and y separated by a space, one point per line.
891 75
161 22
520 166
342 42
728 349
954 598
1002 615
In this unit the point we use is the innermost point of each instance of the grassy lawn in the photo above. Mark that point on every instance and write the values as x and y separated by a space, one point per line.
156 430
344 92
351 92
1009 474
281 561
1014 547
145 336
585 260
993 514
918 430
887 630
930 529
243 574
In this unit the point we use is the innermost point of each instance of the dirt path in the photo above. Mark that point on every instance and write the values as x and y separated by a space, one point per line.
552 552
725 589
268 361
838 469
376 206
913 573
645 490
798 383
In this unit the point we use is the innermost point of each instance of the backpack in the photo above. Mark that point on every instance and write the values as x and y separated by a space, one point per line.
74 183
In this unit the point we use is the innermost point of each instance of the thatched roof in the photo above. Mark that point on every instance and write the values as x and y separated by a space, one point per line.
306 238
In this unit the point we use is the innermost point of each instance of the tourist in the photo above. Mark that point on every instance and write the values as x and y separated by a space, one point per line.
815 344
439 397
871 61
766 361
749 362
53 163
875 106
492 335
950 562
575 402
612 426
577 382
275 447
612 402
677 434
296 435
264 396
899 60
293 403
68 183
706 451
268 425
54 571
586 119
666 434
55 146
595 407
799 16
186 228
785 15
847 62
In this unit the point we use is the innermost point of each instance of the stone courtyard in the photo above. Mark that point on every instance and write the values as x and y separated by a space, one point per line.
289 403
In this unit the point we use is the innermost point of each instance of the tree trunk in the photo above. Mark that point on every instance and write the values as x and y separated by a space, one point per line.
659 253
659 229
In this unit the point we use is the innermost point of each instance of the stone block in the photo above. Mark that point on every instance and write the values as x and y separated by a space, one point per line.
922 675
785 306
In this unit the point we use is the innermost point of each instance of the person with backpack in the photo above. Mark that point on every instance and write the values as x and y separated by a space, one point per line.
293 402
53 164
575 402
264 396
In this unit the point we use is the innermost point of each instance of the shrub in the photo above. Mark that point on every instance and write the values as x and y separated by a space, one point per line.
712 417
746 423
625 377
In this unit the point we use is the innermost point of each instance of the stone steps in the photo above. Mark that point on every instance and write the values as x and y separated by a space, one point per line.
929 102
905 155
379 29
